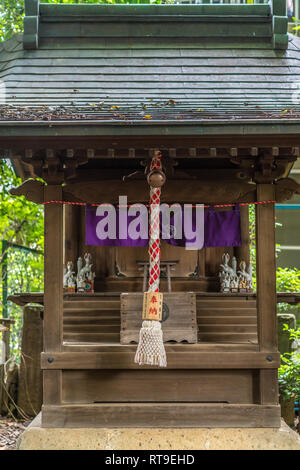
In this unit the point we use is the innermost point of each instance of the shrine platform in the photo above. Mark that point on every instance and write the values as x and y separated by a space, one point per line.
37 438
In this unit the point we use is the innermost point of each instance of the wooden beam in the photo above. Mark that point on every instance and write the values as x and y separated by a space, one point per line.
161 415
187 191
176 360
268 387
53 296
266 269
85 137
52 387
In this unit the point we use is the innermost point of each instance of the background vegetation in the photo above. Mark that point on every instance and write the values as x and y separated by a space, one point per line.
12 12
22 223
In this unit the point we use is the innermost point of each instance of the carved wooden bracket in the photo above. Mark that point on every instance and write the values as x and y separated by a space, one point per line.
55 166
268 167
32 190
285 189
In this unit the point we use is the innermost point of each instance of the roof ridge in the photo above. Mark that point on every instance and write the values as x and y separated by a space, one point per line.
242 22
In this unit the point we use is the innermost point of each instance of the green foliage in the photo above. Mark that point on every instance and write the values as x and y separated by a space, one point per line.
12 12
296 28
11 17
22 223
289 371
287 279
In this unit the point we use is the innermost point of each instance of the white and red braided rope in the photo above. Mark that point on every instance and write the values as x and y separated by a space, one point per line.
154 238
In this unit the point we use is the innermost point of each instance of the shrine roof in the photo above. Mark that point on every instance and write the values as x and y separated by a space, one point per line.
151 64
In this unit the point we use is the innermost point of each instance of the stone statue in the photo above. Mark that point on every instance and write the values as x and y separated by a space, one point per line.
80 278
85 276
225 266
234 283
69 278
246 275
228 275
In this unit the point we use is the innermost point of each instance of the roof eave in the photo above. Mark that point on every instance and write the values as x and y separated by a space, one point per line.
137 128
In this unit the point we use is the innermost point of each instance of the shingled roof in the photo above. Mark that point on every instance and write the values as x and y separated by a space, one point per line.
151 63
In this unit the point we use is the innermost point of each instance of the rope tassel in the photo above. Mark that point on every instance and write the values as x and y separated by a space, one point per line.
151 350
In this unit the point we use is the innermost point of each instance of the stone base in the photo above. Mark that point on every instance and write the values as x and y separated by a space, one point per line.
37 438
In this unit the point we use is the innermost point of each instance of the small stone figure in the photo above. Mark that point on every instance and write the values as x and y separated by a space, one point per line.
227 283
85 276
225 267
80 277
246 275
234 284
228 276
242 284
69 279
231 280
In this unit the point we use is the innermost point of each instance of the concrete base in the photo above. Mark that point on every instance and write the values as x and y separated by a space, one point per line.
37 438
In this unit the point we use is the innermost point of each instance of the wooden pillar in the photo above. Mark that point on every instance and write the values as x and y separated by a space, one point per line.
266 269
53 289
53 293
266 290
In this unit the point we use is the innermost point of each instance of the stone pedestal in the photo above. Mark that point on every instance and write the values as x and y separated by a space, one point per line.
284 343
37 438
30 390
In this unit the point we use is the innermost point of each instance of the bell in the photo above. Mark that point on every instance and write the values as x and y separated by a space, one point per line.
156 179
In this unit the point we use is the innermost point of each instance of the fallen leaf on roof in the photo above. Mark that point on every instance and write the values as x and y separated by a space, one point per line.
114 107
147 116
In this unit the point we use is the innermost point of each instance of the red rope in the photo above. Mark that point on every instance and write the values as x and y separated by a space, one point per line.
147 205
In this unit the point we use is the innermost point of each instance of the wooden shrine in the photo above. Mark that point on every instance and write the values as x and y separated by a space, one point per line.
92 91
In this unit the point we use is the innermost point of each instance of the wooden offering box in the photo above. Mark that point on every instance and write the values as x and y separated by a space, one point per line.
180 325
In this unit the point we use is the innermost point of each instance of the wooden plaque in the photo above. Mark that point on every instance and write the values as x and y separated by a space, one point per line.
152 306
180 325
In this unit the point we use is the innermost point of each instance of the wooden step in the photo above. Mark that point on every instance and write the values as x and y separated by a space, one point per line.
224 303
228 337
226 311
92 304
92 320
92 337
227 329
225 320
92 328
220 320
92 313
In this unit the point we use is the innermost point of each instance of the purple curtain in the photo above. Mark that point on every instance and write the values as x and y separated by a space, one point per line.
221 229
